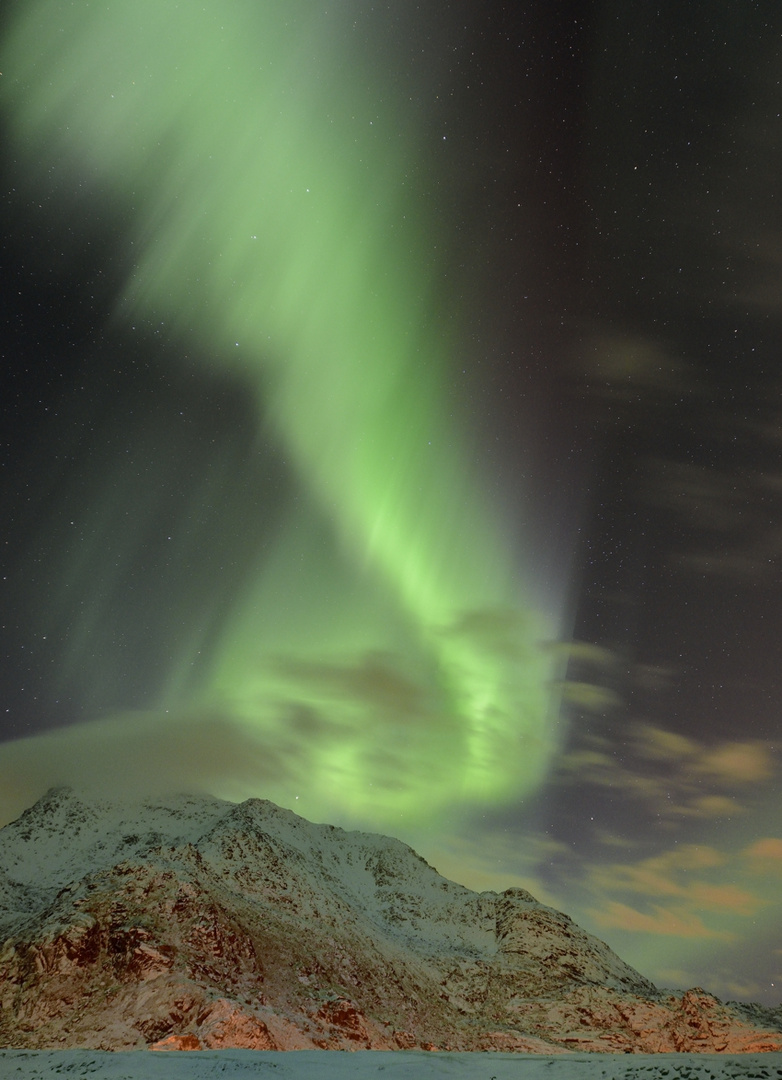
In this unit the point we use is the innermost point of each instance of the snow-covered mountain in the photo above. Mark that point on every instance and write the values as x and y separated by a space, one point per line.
192 922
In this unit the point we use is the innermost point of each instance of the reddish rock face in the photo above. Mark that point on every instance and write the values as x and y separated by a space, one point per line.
347 1022
590 1019
178 1042
196 924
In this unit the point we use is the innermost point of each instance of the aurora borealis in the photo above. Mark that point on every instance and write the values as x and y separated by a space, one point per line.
288 248
358 362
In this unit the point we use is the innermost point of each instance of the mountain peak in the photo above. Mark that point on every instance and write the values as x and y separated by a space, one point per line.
202 923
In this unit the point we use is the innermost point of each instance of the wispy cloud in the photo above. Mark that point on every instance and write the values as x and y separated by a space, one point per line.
671 874
735 762
657 744
725 898
488 859
667 921
138 755
711 806
373 680
688 891
676 776
765 855
656 875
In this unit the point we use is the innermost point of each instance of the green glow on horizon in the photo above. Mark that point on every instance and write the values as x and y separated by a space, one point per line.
388 655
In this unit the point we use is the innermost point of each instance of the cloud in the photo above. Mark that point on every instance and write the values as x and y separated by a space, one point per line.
765 855
677 886
657 875
658 744
748 989
676 776
726 510
712 806
592 765
373 681
590 697
666 921
731 762
612 840
586 653
654 677
588 668
487 858
674 977
137 755
503 633
736 762
703 497
621 367
723 898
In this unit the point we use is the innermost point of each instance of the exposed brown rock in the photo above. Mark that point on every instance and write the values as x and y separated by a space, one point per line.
225 1025
177 1042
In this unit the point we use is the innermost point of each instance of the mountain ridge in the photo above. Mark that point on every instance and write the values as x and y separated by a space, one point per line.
192 922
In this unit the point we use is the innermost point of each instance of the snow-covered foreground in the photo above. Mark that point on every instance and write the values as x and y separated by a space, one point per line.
395 1065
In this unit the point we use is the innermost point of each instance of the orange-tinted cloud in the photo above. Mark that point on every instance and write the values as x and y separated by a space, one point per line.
765 854
657 876
670 875
723 898
737 762
733 762
676 776
666 921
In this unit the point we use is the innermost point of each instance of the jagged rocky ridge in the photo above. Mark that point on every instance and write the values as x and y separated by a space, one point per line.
195 923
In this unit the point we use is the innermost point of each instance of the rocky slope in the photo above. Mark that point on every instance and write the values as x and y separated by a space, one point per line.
195 923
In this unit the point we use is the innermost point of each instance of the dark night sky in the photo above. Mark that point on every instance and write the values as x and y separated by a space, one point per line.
550 242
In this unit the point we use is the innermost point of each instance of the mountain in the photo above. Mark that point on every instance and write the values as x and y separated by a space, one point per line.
190 923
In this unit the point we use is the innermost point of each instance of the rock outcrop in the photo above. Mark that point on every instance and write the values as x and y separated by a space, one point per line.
199 924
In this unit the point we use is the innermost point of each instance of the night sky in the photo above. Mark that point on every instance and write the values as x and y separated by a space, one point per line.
391 427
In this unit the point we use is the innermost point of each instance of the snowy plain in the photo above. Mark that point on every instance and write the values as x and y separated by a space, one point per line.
382 1065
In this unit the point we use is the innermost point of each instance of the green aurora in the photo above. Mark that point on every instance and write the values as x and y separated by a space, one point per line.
388 661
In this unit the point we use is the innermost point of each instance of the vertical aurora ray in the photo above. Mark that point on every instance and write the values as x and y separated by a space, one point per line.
387 654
